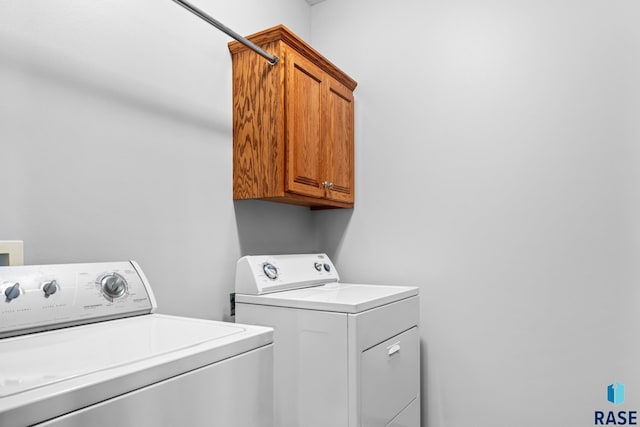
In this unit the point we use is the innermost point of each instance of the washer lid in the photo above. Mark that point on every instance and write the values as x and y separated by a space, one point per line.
338 297
46 374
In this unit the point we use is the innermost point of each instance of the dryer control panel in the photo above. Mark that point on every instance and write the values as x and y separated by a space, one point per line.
262 274
39 297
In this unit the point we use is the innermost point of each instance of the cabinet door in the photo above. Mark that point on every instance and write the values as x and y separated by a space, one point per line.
338 142
303 106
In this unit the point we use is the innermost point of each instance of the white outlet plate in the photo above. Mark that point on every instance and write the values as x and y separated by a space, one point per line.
11 252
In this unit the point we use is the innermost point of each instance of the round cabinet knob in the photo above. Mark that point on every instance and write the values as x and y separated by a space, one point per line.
49 288
318 266
327 268
12 292
270 270
113 285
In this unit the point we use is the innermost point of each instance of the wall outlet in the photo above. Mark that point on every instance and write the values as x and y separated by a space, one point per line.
11 252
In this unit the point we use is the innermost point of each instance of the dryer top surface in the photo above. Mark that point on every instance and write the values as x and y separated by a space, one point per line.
338 297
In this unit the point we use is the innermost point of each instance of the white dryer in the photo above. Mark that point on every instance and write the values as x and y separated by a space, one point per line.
345 355
79 346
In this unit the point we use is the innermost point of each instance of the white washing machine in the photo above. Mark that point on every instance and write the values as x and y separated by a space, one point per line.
79 346
345 355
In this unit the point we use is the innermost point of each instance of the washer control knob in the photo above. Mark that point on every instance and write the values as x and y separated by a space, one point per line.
318 266
49 288
327 267
12 292
270 270
113 285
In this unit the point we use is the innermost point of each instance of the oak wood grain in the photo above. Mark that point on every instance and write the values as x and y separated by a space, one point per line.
338 136
258 125
292 124
280 32
304 103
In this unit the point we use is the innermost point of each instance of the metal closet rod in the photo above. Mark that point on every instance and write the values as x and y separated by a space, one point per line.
273 60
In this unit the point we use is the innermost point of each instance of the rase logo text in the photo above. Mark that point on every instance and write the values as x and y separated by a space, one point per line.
615 395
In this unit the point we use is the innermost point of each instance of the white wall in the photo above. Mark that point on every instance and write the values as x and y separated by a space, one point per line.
497 153
115 142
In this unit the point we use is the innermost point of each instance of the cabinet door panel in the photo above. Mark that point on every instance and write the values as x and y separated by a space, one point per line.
303 100
338 138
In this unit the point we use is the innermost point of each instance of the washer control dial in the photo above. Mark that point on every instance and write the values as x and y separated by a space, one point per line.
12 291
113 286
327 267
318 266
270 270
49 288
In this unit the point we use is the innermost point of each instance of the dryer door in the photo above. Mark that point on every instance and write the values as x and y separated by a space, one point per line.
390 378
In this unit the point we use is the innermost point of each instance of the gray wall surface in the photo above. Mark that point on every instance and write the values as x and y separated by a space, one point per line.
497 153
115 142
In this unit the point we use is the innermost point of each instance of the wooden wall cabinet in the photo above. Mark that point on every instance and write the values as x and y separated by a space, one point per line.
292 124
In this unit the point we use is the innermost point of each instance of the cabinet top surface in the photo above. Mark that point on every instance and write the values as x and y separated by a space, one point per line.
282 33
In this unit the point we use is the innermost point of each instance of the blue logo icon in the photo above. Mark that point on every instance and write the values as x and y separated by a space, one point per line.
615 393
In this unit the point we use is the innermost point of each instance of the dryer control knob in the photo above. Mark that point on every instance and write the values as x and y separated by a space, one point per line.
49 288
12 292
270 271
113 285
